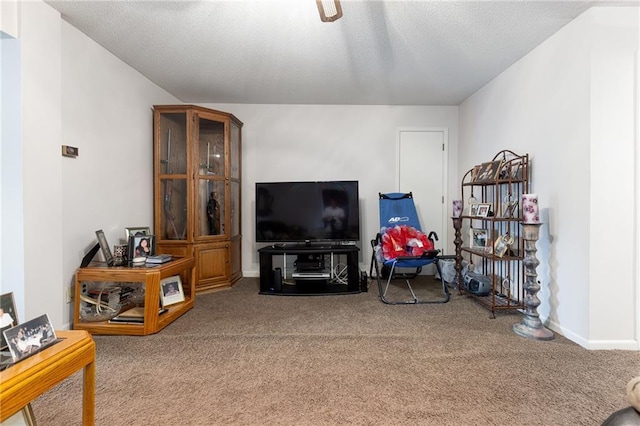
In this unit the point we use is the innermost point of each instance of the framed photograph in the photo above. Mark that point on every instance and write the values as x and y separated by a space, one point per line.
142 246
104 246
136 231
23 417
473 209
488 172
478 238
171 291
511 171
483 209
501 245
30 337
474 173
8 317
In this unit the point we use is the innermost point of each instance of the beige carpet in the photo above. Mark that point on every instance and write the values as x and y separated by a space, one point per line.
248 359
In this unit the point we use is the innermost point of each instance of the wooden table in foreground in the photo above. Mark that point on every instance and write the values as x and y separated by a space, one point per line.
25 381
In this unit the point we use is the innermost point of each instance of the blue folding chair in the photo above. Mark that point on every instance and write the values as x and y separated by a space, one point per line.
397 209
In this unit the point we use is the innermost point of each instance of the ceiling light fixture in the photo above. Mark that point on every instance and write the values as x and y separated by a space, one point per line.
330 10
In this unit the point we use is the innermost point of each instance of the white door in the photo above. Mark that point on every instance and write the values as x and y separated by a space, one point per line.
422 165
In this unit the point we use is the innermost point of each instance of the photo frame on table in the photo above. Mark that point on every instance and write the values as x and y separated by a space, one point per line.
8 317
478 238
488 172
171 291
30 337
136 231
104 247
142 246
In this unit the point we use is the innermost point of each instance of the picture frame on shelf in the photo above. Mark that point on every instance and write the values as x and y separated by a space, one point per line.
484 209
478 238
30 337
473 209
142 246
488 171
136 231
502 244
104 247
171 291
474 173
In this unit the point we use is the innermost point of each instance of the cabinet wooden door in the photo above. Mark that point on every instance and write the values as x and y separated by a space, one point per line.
213 267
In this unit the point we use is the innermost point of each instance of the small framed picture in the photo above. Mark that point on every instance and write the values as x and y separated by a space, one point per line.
473 209
30 337
501 245
136 231
142 246
478 238
474 173
483 209
511 171
104 246
8 317
171 291
488 171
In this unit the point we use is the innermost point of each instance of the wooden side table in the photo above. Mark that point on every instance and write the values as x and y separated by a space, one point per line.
23 382
149 277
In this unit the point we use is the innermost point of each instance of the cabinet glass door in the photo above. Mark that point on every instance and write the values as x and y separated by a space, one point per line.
211 149
173 143
234 149
234 204
172 170
211 207
174 209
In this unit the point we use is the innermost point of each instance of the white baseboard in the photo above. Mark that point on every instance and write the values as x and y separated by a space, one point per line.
251 274
627 345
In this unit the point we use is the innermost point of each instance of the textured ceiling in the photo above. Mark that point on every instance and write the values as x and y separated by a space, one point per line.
279 52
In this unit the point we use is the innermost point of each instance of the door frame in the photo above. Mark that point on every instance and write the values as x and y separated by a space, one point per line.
443 243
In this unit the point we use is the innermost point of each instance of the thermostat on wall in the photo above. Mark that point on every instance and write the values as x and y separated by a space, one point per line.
69 151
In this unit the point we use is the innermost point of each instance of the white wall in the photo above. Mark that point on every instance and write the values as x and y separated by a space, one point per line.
329 142
40 47
9 18
76 93
560 104
107 114
11 204
615 119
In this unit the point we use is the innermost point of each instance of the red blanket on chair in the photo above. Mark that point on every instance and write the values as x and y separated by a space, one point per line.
403 240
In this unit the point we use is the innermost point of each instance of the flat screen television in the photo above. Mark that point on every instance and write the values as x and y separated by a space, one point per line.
307 212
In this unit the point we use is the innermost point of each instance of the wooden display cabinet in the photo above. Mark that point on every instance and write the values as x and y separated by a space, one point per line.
497 185
143 278
197 190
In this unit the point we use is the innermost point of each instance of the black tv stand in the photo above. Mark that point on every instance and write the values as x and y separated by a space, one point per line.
314 277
